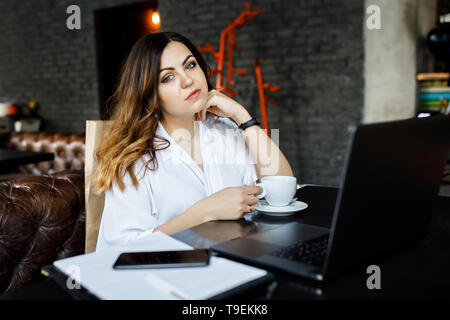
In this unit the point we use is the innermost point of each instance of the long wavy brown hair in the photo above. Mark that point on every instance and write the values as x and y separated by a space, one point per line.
135 111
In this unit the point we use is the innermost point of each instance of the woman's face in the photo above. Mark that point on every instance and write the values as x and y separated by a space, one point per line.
182 89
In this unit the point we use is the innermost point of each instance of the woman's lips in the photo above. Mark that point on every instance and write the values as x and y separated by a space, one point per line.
194 94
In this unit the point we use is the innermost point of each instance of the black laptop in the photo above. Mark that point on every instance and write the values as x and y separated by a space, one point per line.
392 176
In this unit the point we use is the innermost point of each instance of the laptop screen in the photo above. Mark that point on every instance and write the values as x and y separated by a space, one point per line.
392 177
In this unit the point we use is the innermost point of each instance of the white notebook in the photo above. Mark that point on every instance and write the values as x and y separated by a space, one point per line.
94 271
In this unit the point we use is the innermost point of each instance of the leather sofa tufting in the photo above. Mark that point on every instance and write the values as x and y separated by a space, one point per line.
42 219
67 147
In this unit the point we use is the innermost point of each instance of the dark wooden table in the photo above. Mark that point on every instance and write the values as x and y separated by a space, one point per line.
10 158
421 272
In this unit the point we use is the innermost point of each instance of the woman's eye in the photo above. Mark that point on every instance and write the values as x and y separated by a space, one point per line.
191 65
166 79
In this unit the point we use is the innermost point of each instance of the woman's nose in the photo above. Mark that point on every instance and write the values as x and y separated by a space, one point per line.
186 80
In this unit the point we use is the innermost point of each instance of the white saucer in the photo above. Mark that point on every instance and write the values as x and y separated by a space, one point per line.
293 207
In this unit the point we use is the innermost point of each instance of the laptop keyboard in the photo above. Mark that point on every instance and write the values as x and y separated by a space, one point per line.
311 252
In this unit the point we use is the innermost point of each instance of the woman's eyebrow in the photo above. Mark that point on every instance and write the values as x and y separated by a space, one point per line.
171 68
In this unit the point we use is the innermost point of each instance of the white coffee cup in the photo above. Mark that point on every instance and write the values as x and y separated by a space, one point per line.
278 190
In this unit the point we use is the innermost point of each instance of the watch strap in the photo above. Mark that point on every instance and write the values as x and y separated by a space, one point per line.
249 123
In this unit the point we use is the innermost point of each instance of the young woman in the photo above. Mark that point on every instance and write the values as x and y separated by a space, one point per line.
174 159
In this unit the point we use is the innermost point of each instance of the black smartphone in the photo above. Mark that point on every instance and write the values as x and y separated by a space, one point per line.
163 259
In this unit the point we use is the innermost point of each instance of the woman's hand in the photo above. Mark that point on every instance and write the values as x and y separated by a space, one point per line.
223 106
229 203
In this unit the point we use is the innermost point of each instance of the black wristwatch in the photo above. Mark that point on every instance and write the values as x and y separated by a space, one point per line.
249 123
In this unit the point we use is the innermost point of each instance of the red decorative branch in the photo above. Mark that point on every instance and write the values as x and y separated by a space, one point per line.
263 99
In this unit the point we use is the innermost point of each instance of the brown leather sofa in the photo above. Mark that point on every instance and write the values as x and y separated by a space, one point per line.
42 219
67 147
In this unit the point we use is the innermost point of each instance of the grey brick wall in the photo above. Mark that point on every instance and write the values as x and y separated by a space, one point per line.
314 51
41 59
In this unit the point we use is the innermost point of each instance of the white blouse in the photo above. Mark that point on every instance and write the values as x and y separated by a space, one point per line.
177 183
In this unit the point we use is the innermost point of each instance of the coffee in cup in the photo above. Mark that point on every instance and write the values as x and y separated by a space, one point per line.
278 190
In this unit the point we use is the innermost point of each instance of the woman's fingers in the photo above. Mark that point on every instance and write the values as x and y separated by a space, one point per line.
201 115
253 189
252 200
217 106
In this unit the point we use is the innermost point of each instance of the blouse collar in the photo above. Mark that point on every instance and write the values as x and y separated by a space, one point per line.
174 150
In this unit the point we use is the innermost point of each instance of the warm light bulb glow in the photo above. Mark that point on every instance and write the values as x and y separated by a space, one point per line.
155 18
152 20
